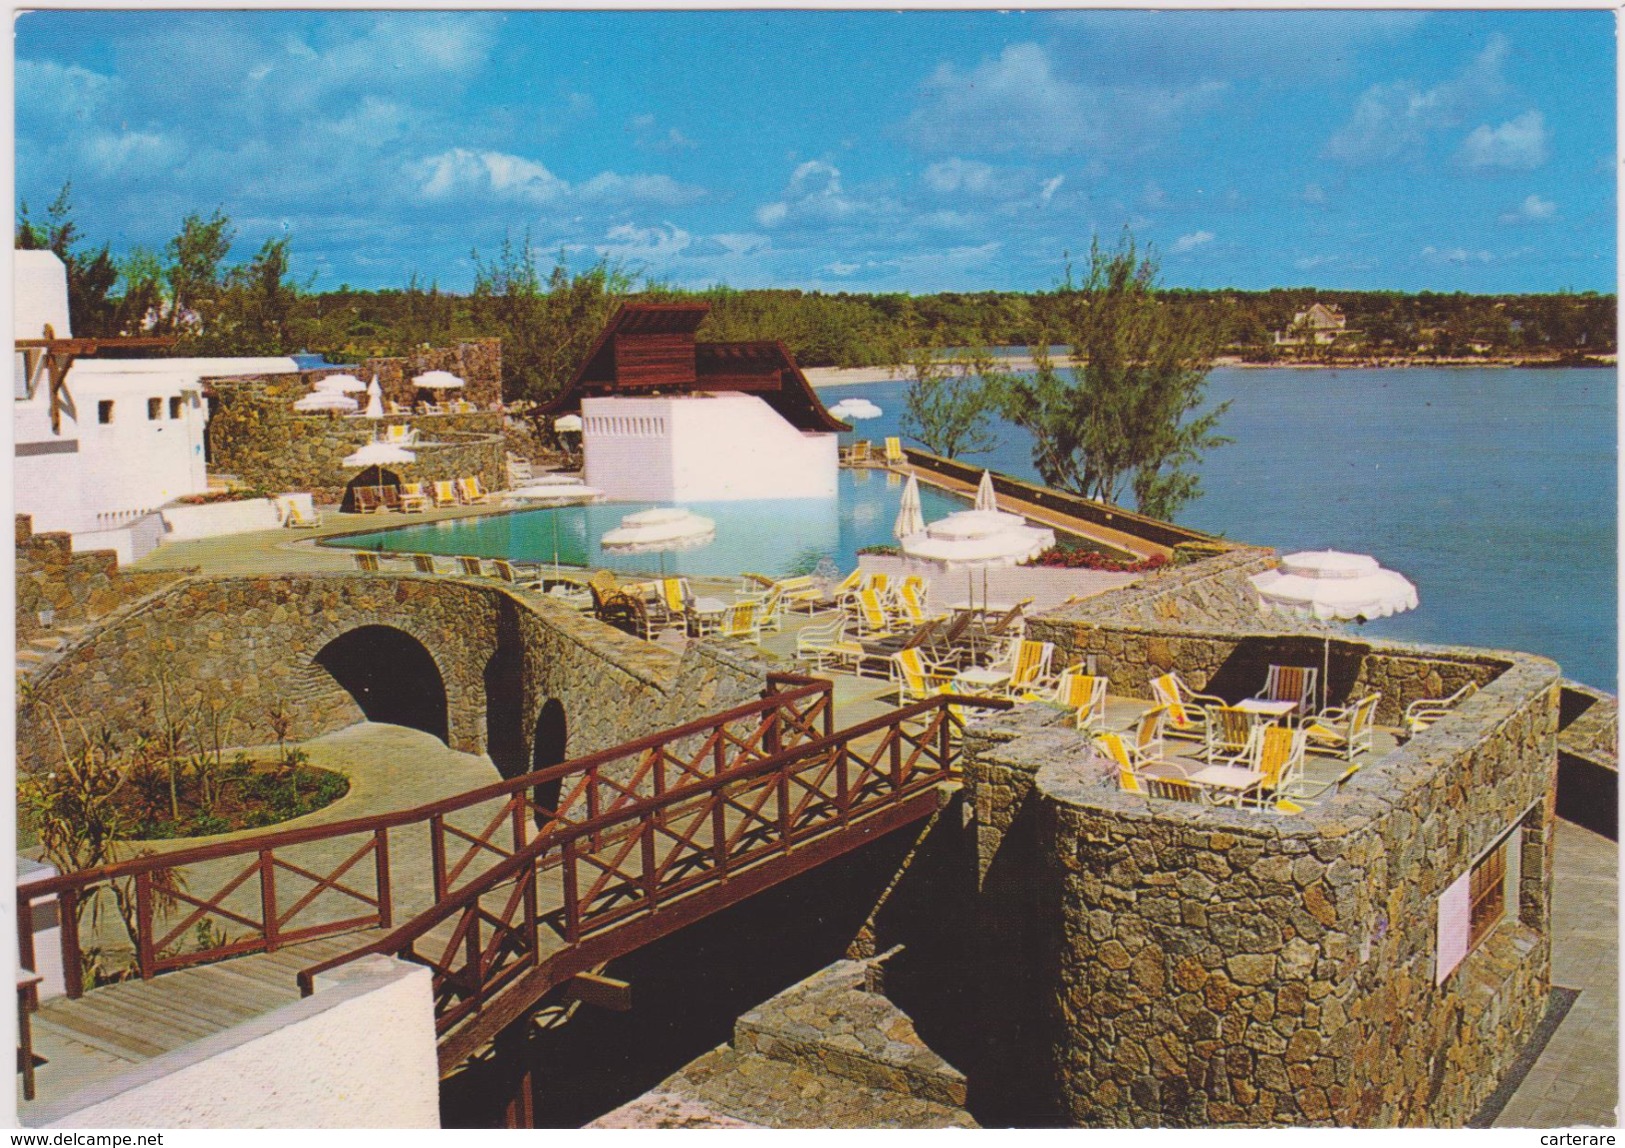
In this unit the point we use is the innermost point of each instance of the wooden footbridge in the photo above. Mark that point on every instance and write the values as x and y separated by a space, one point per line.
508 892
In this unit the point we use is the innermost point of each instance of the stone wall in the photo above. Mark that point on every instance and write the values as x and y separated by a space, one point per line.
1215 967
78 587
255 434
500 656
478 362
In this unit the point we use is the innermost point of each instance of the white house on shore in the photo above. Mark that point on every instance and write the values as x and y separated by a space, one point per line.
669 419
125 436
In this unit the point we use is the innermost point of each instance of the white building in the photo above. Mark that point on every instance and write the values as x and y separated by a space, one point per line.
667 419
128 436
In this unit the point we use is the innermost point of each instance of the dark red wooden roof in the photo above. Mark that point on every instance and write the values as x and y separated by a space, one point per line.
649 349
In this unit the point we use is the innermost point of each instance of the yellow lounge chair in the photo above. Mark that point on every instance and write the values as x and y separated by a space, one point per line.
296 519
1080 694
827 645
741 621
1345 729
1425 711
915 678
894 452
873 621
444 492
1186 715
413 500
399 434
1029 667
1278 755
470 491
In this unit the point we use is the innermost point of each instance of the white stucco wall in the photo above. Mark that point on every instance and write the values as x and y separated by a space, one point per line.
359 1053
700 448
40 283
216 518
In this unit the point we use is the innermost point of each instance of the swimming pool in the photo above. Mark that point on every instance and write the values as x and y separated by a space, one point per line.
778 537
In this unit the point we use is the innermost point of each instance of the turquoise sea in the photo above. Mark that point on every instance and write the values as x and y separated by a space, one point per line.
1494 490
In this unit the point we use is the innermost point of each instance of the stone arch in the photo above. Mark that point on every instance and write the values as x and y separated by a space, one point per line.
549 746
391 675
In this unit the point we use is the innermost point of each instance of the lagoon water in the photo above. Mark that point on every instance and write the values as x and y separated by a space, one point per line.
1494 490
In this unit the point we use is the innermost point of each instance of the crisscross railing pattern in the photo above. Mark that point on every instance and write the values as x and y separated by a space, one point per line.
577 895
269 890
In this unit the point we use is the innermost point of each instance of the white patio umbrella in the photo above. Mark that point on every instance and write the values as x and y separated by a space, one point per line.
973 540
661 529
1330 585
855 408
567 423
910 518
437 381
340 383
379 455
375 400
325 401
985 498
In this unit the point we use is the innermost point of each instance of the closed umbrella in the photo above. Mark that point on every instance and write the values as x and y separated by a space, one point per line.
985 498
375 400
910 518
1331 585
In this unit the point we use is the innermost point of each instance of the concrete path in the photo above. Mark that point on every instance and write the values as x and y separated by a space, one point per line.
1576 1080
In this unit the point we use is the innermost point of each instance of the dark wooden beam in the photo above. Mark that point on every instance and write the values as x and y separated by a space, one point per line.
599 991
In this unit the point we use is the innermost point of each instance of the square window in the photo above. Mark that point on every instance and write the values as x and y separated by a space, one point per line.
155 408
1488 894
104 411
176 404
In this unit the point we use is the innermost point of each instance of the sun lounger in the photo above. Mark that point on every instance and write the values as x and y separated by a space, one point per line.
366 500
365 560
1346 730
894 452
826 645
470 566
297 520
915 678
425 564
445 493
413 500
470 492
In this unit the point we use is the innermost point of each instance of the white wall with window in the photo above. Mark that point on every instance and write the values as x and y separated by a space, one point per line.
1476 902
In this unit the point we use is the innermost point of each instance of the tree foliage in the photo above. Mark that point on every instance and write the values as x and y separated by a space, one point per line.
952 398
1122 419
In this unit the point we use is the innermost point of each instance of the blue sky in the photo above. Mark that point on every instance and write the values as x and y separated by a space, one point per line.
859 151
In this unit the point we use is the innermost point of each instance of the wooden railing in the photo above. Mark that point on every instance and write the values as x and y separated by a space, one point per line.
269 891
578 895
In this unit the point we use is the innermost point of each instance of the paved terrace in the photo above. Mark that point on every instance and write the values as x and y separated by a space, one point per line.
1573 1082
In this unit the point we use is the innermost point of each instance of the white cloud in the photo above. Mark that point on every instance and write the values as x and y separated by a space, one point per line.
1531 210
644 243
647 136
1050 187
1396 120
1520 144
1192 241
815 195
463 173
1455 255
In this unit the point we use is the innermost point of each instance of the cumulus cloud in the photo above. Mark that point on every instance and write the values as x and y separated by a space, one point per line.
1531 210
815 195
1395 121
1518 144
464 173
1192 241
627 241
647 136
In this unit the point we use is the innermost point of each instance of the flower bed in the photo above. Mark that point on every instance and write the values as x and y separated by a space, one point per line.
1063 558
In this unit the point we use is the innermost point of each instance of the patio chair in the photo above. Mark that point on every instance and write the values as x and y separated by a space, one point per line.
894 452
1278 755
1425 711
1186 716
400 434
368 561
800 593
366 500
445 493
615 607
769 607
1229 735
1011 624
872 619
950 644
296 519
1346 730
511 573
741 620
1290 684
1147 731
915 678
1303 796
470 492
519 470
469 565
1082 695
826 645
1117 749
858 453
425 564
396 408
1175 789
413 500
1030 667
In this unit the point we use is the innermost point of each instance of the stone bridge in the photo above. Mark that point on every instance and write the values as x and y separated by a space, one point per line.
483 668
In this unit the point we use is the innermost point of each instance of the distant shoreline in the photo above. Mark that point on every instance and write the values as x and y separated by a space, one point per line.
850 376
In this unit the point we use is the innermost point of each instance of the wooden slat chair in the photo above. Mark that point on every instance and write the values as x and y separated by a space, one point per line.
1229 735
858 453
1147 731
1083 696
445 493
915 678
1425 711
366 560
826 645
391 496
514 574
1186 715
425 564
1290 684
1345 730
471 566
1030 667
366 500
413 500
1278 755
950 645
470 492
1166 788
894 452
741 620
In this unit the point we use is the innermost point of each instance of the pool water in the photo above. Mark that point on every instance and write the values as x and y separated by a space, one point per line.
778 537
